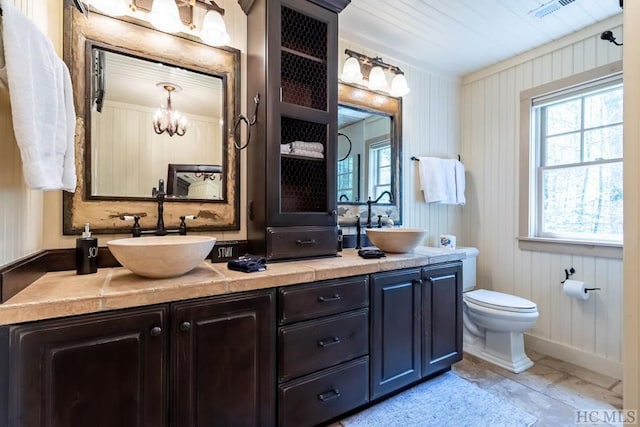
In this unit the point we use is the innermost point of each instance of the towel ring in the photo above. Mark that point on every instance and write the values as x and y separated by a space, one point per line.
350 146
249 123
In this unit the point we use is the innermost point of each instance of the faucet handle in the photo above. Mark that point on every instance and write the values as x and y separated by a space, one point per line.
182 230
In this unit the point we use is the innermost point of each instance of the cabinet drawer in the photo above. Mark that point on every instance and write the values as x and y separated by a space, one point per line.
310 346
319 397
313 300
301 242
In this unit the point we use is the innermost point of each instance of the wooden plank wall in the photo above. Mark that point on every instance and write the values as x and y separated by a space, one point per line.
588 333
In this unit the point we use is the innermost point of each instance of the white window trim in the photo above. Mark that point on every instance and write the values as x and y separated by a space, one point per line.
527 167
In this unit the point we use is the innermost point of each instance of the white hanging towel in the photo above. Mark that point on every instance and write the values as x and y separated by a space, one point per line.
439 180
41 97
460 183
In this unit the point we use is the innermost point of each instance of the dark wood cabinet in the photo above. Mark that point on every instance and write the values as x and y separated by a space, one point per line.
323 347
198 363
395 330
96 370
416 325
441 317
222 361
292 61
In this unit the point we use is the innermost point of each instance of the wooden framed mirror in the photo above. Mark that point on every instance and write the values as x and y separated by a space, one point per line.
119 155
369 152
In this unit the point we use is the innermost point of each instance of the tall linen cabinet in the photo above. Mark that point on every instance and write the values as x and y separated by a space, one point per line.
292 61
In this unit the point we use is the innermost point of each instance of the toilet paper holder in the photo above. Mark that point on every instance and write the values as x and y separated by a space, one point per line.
570 272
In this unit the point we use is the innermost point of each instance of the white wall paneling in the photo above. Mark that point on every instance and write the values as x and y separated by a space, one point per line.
490 132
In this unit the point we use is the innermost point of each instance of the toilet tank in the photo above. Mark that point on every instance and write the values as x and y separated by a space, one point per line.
469 268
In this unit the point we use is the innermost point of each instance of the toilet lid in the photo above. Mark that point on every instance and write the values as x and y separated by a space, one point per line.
500 301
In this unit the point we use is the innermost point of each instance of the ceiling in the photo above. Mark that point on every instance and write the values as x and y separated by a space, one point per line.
462 36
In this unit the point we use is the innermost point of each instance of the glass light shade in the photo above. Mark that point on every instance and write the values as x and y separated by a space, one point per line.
214 31
351 71
399 86
164 16
111 7
377 79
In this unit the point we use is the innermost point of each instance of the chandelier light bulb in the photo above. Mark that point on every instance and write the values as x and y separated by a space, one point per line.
168 120
351 71
165 16
214 31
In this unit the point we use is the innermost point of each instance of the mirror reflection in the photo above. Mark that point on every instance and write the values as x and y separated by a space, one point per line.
364 154
145 116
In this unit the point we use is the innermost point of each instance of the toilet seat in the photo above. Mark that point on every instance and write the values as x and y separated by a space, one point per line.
500 301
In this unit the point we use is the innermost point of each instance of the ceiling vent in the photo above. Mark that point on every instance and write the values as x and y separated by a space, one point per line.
549 8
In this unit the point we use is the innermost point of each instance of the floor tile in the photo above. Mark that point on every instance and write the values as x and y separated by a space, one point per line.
584 395
578 371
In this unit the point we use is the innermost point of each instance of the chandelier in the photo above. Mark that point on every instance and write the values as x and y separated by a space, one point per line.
166 119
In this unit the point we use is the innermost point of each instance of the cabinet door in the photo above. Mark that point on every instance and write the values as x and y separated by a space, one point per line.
98 370
223 364
395 330
304 54
441 317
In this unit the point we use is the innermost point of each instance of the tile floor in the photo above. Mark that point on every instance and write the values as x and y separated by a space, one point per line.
551 390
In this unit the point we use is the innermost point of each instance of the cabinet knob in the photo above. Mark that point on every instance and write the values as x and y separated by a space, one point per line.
417 281
185 326
155 331
333 213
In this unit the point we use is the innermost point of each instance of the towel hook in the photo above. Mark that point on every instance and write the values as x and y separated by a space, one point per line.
249 123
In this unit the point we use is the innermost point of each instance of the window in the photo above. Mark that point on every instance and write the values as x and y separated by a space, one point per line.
579 169
345 180
380 168
574 153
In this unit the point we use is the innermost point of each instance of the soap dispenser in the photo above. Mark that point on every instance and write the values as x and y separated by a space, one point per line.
86 253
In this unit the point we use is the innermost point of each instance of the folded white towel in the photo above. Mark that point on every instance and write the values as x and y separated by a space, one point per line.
460 183
41 97
285 148
438 180
305 153
307 146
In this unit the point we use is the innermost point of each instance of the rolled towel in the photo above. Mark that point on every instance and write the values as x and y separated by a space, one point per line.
296 146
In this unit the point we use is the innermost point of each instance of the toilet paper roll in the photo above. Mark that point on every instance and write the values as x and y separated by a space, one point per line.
576 289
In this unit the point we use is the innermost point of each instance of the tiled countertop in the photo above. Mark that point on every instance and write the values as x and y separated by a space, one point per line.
64 293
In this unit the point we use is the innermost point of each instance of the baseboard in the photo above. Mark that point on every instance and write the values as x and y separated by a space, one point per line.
573 355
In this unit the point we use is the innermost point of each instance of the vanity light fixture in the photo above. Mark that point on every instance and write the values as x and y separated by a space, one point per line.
165 16
166 119
213 31
375 70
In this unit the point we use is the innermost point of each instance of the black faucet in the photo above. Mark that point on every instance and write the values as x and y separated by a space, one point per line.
160 230
371 202
159 194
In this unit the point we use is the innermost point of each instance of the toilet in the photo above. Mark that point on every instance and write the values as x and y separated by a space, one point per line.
494 322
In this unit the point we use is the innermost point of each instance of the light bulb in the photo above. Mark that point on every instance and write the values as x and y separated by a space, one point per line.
214 31
399 86
164 16
351 71
111 7
377 79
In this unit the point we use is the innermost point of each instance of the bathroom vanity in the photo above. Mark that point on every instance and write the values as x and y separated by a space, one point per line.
299 344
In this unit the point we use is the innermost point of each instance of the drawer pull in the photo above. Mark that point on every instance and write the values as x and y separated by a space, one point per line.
329 395
306 242
328 341
334 297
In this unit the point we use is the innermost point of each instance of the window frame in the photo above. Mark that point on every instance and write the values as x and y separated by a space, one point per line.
529 160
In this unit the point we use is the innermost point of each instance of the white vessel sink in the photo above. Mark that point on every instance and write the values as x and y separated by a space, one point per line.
396 240
161 256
